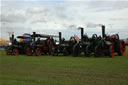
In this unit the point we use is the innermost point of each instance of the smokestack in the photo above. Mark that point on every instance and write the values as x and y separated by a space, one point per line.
34 35
34 41
82 33
103 31
60 37
12 38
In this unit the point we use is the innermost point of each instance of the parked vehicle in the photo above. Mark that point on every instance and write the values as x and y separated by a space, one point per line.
109 45
86 44
15 47
42 44
65 47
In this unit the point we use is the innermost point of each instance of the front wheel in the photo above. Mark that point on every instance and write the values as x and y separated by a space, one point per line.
7 50
15 51
76 50
97 51
65 52
38 52
54 51
29 51
87 51
111 51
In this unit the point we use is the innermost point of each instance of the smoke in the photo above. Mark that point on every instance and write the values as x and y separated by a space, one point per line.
73 27
88 25
92 25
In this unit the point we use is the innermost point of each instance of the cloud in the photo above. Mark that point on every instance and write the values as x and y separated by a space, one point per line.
13 18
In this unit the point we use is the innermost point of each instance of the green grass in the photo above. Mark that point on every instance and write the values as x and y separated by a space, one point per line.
63 70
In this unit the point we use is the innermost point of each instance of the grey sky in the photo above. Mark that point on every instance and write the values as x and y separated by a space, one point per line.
50 17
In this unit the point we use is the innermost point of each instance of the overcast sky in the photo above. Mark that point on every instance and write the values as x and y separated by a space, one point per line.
50 17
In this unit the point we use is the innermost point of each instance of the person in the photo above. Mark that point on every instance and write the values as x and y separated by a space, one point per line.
72 39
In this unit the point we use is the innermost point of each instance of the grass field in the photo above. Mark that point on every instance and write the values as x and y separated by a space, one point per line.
63 70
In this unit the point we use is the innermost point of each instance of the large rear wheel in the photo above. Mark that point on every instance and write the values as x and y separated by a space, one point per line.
121 48
111 51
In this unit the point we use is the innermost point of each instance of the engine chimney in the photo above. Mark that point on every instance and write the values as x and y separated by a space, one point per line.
60 37
34 35
82 33
12 40
103 31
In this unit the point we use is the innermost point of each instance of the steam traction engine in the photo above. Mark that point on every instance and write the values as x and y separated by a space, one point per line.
86 44
31 44
17 47
40 47
65 47
108 45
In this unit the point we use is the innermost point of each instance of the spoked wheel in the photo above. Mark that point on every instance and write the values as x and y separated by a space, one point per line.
29 51
122 48
54 51
97 52
76 50
38 52
111 51
7 50
15 51
87 51
65 52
